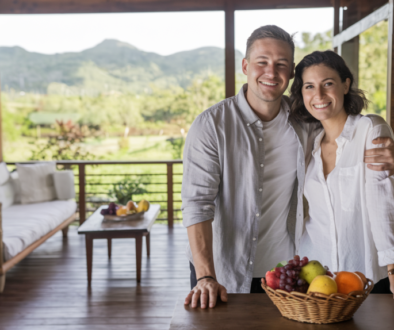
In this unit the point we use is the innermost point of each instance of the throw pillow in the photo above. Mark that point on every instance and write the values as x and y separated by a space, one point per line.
64 184
4 173
17 187
37 182
7 194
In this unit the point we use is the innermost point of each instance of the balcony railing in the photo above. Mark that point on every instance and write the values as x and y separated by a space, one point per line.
94 179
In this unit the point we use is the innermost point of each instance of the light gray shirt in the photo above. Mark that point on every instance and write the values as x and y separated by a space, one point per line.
222 176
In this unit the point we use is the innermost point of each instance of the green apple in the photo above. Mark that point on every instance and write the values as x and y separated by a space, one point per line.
312 269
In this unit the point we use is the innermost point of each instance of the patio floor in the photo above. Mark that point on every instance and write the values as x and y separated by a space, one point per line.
48 289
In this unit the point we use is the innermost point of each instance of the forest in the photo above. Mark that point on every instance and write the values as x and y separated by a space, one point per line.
103 111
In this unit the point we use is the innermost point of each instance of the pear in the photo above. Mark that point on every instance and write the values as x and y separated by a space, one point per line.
323 284
312 269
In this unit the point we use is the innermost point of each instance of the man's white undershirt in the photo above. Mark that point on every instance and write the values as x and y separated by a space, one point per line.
280 169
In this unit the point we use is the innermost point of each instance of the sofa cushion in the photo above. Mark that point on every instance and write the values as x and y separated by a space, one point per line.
37 182
24 224
4 173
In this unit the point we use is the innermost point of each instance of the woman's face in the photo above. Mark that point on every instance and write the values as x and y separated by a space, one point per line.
323 92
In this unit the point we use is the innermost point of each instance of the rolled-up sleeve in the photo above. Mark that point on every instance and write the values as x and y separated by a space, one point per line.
380 202
201 172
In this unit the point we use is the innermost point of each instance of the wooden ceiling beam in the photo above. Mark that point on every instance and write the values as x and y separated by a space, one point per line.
105 6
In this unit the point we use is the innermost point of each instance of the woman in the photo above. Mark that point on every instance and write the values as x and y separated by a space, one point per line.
351 208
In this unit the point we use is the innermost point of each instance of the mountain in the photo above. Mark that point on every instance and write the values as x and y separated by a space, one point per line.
112 65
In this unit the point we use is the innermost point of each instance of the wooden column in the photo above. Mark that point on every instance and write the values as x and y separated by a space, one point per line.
337 4
1 130
350 53
350 48
390 70
229 28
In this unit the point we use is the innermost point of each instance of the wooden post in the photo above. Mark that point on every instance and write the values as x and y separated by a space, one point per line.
1 130
170 195
390 69
82 197
229 49
337 4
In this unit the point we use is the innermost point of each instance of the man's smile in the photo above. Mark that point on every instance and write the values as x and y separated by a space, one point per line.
266 83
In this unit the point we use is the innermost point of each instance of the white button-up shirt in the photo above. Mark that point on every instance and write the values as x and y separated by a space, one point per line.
351 213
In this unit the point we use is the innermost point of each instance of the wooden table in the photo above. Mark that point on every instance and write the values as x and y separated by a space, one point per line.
256 311
95 227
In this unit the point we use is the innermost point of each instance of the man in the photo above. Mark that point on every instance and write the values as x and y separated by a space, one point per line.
244 167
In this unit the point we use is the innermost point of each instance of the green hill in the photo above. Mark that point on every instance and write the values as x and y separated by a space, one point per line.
110 66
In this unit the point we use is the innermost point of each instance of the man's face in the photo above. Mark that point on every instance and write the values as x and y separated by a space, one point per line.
269 69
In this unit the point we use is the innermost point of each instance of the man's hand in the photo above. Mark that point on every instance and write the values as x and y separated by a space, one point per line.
206 290
383 155
391 278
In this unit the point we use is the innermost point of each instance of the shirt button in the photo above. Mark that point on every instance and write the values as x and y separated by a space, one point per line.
260 189
262 165
254 238
259 121
260 139
257 214
247 124
251 262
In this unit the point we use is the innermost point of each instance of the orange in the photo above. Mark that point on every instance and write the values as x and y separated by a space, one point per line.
363 278
348 282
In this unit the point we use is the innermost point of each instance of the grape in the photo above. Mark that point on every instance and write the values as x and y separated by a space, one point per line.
282 286
289 273
288 288
297 258
302 263
290 262
277 272
300 282
282 276
296 263
289 280
282 270
306 260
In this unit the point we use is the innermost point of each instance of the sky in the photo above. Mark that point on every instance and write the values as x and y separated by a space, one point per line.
162 33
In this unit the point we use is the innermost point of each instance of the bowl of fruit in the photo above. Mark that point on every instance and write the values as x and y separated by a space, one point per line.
130 211
305 291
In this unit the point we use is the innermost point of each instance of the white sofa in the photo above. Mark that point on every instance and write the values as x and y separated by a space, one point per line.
24 226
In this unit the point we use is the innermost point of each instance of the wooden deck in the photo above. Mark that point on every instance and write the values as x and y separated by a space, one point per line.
48 289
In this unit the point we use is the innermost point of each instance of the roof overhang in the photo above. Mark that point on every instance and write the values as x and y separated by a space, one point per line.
113 6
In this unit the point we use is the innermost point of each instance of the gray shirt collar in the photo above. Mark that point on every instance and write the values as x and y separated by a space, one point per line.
247 113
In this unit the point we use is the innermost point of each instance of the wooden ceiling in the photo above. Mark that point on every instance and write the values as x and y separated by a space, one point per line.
102 6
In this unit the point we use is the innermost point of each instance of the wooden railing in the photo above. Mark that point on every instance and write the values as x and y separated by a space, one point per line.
89 177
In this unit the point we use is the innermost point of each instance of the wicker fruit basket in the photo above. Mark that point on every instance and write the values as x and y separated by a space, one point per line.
317 307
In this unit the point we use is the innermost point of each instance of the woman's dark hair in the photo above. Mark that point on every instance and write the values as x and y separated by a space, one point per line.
354 101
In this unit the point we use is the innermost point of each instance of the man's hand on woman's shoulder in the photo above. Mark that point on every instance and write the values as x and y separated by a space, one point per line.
207 292
384 155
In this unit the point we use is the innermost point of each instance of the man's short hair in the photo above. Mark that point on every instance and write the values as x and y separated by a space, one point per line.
269 31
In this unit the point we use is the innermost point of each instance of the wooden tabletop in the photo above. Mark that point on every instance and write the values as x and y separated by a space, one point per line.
96 224
256 311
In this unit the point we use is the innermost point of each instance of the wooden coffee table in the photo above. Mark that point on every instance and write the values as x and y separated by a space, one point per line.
95 227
